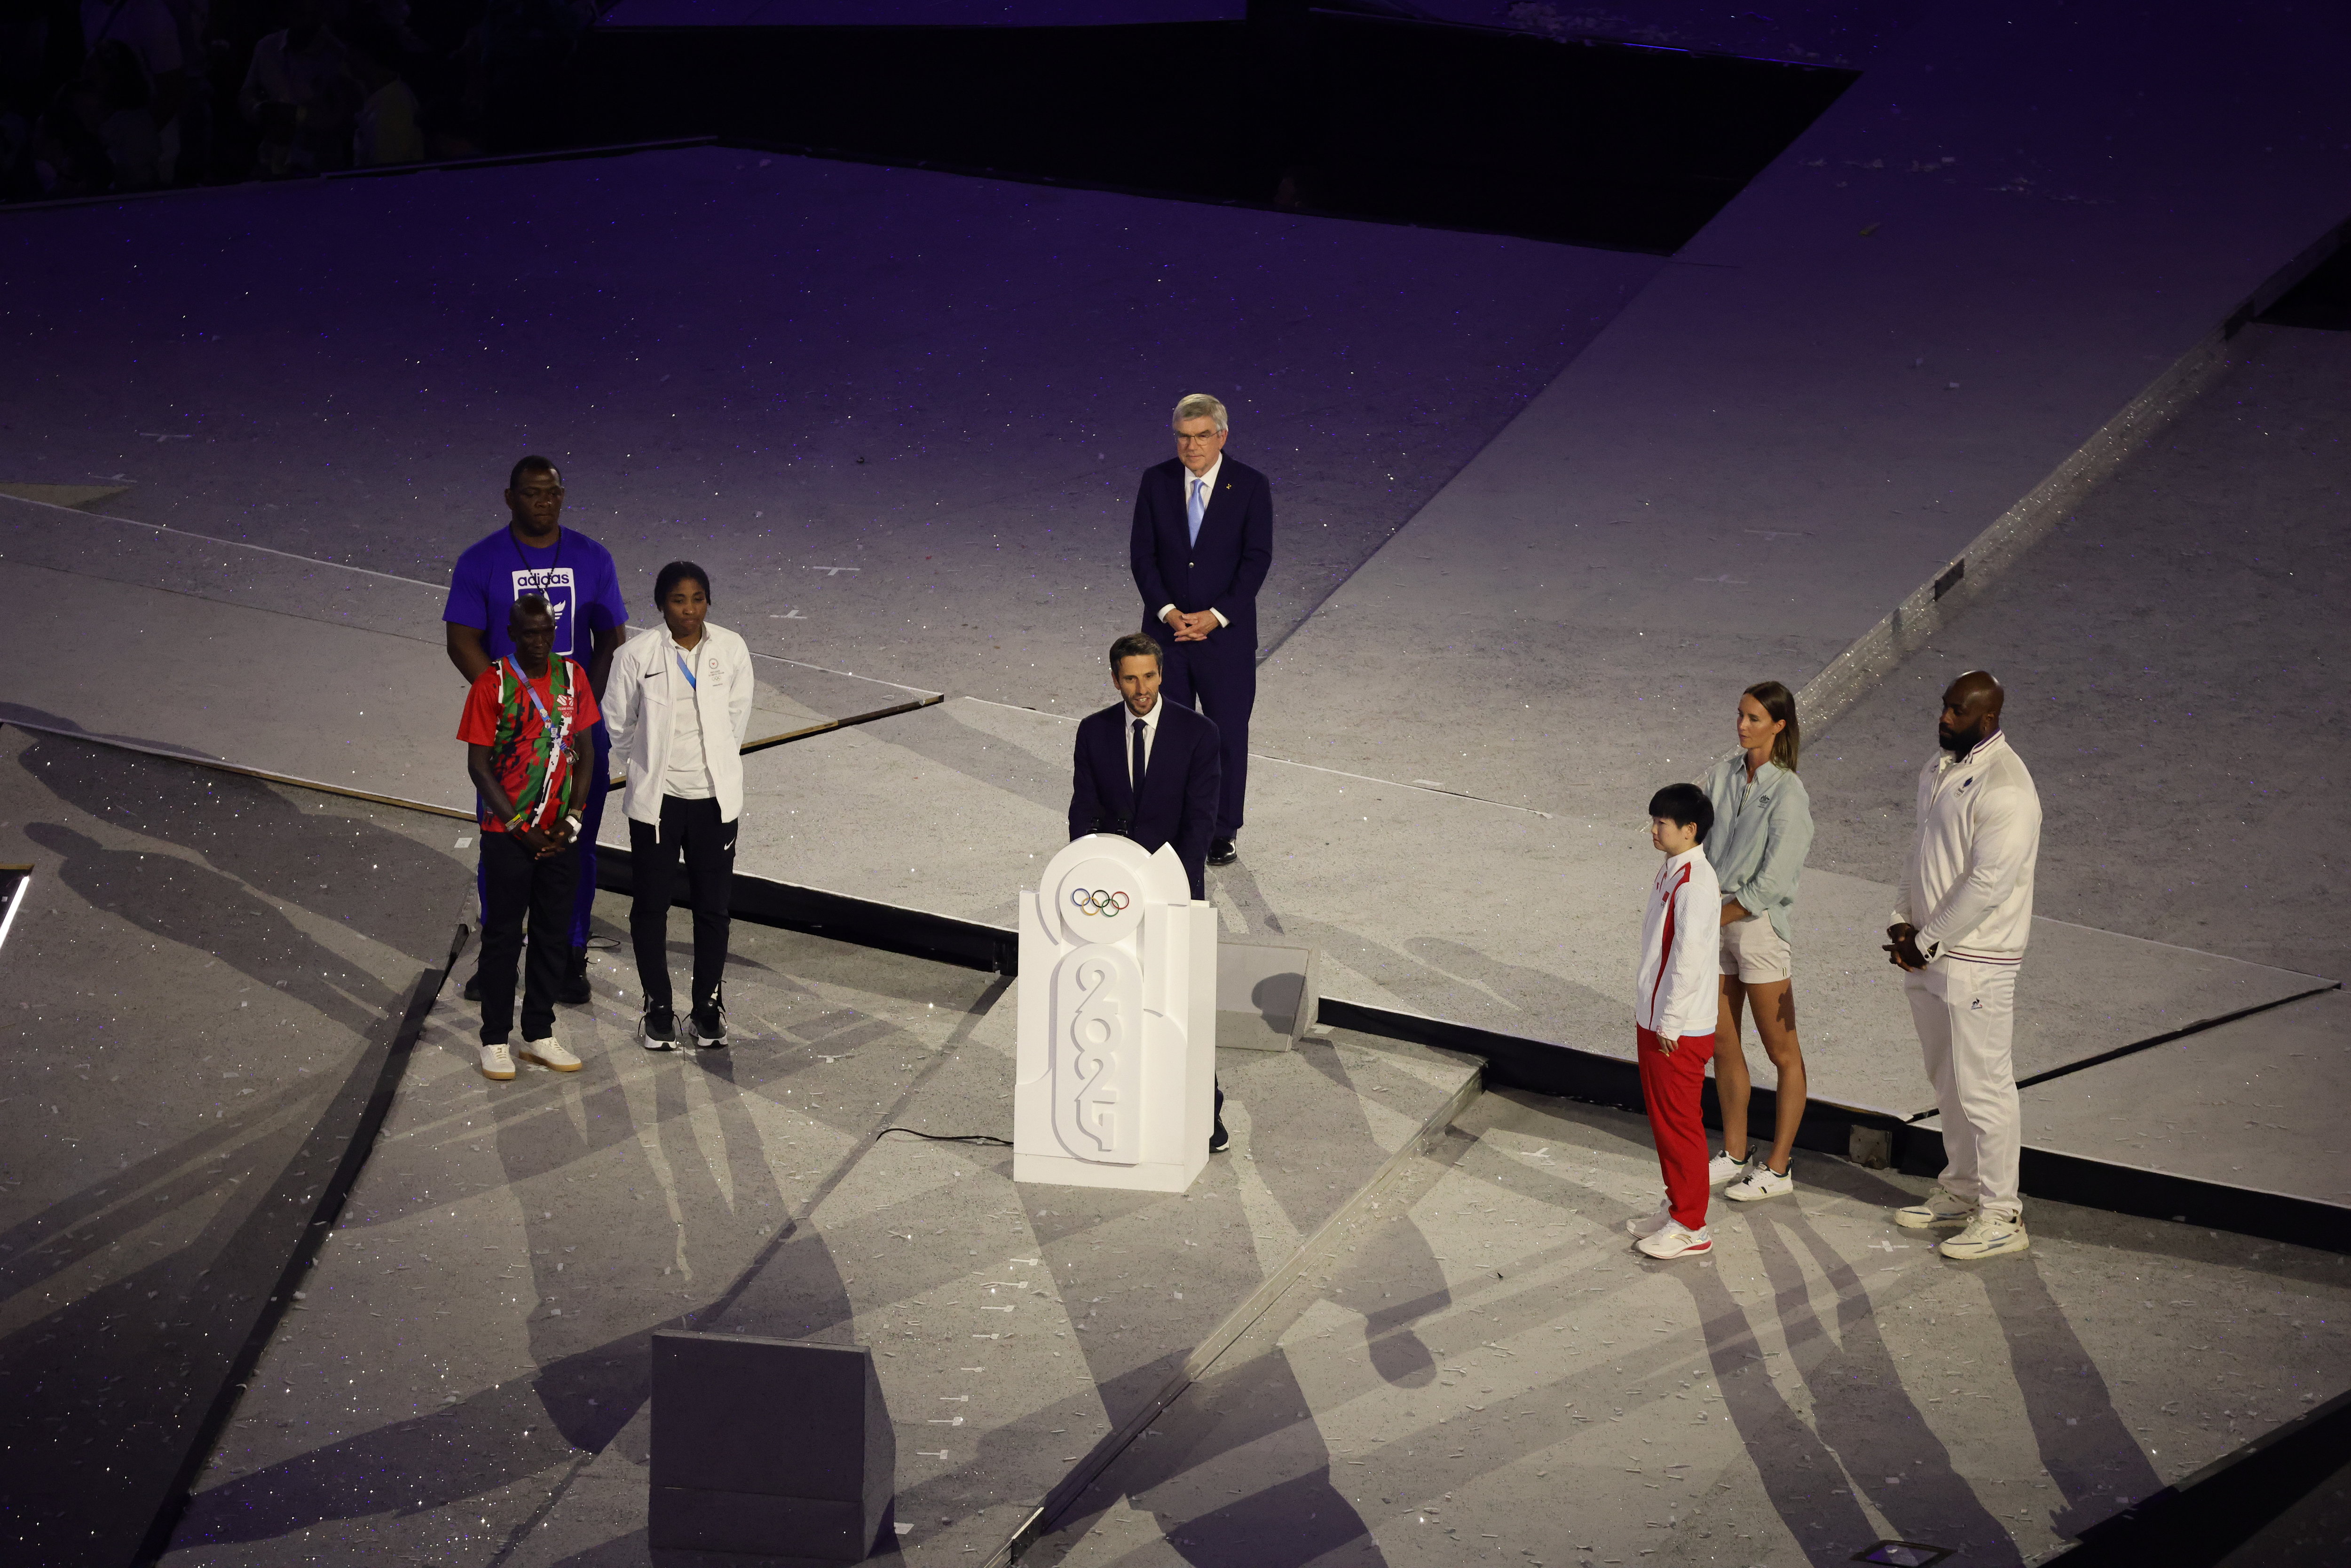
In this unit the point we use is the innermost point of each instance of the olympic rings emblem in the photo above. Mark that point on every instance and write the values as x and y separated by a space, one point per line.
1098 901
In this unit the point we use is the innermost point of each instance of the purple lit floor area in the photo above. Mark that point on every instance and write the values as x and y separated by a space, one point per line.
1541 512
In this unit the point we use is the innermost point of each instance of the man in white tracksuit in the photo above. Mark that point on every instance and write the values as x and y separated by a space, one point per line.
1960 925
677 704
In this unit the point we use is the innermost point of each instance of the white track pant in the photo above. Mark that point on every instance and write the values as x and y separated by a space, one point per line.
1966 1016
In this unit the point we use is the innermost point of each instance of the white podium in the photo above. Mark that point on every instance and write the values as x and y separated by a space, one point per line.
1117 1074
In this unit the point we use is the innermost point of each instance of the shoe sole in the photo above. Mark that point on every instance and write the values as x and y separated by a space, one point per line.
651 1044
1701 1248
1914 1222
1788 1191
552 1066
497 1077
2019 1242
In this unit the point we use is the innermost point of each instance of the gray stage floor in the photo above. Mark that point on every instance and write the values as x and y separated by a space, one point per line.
465 1381
2253 1105
2171 647
1543 511
1820 1383
201 979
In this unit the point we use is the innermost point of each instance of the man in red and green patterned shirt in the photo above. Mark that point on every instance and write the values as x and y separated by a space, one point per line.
525 729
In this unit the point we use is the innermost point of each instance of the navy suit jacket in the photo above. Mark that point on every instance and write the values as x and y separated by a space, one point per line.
1223 572
1179 788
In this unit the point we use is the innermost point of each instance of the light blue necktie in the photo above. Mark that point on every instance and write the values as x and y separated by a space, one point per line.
1196 508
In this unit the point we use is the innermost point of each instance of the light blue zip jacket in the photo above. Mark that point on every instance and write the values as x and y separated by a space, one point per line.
1762 833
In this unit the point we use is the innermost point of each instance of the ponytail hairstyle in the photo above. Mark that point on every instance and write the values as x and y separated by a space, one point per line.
1778 702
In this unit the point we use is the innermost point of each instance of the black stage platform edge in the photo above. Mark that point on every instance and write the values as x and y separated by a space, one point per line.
2200 1520
1539 1067
1381 118
2151 1195
1514 1062
315 1183
916 932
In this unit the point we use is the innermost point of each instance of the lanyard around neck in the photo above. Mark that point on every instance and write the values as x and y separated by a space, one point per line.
551 565
682 670
529 691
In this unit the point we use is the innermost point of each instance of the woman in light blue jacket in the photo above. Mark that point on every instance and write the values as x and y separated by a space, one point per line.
1762 828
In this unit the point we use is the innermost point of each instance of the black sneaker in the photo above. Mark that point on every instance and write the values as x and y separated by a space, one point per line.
707 1027
574 990
659 1029
1220 1140
1223 852
474 987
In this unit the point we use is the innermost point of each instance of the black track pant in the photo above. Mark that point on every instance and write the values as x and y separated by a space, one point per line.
516 884
691 832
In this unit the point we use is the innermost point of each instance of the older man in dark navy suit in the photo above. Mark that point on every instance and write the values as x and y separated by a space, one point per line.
1150 770
1202 543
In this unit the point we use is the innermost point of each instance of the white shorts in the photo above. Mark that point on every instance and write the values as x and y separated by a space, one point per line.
1755 952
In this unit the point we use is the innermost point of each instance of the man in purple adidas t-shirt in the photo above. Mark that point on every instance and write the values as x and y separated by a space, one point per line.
536 555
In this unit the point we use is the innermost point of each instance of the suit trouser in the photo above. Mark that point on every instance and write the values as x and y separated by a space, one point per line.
1966 1016
516 882
592 821
689 830
1672 1086
1225 683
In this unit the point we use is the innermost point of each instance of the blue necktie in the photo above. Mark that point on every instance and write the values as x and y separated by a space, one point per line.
1138 762
1197 506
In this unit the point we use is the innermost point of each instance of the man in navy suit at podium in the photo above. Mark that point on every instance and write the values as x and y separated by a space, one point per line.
1150 770
1203 542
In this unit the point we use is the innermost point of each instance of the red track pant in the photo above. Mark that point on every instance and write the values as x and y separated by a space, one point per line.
1670 1087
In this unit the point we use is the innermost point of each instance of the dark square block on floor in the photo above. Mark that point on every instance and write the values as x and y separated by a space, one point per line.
767 1447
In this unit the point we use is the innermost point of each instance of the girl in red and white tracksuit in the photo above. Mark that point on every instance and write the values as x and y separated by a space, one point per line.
1676 991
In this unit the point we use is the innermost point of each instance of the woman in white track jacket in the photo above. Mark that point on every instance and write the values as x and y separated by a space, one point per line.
677 704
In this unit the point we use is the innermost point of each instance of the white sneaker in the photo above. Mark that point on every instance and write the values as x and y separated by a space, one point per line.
1988 1235
549 1052
1761 1181
1655 1223
1937 1208
497 1061
1723 1168
1675 1241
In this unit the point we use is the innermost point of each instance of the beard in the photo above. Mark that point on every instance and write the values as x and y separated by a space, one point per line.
1959 742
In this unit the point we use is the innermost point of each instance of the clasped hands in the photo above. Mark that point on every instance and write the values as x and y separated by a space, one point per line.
548 842
1193 626
1902 952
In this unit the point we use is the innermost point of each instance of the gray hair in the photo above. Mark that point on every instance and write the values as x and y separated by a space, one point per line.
1200 406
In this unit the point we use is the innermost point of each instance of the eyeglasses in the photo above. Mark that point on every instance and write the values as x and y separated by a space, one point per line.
1203 435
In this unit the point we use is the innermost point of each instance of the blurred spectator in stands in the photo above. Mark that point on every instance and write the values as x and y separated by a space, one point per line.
30 69
386 131
524 94
157 38
117 105
300 93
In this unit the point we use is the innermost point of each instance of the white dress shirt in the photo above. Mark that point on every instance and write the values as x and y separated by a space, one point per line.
687 772
1150 735
1208 483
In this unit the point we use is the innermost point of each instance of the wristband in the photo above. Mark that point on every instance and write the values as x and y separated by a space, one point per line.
519 822
572 822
